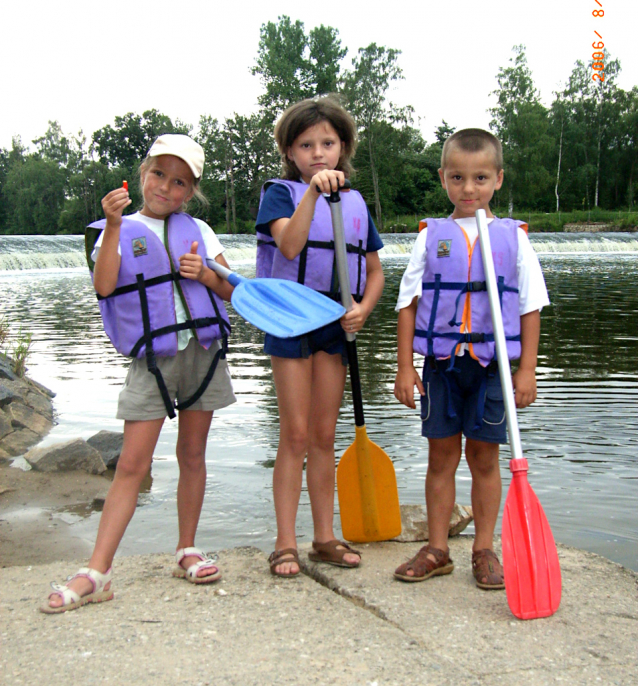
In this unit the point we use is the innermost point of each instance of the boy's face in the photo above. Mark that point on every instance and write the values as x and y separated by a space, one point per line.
470 179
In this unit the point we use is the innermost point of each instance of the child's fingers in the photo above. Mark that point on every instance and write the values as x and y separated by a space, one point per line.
194 245
419 384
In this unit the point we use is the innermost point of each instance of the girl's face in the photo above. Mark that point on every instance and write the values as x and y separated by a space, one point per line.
166 185
316 149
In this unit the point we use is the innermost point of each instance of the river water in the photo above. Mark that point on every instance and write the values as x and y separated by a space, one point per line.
580 437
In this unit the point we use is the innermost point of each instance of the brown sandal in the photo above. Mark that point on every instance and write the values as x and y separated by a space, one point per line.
423 567
487 570
333 553
279 557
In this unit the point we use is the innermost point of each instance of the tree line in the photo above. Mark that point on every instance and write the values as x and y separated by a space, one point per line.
577 154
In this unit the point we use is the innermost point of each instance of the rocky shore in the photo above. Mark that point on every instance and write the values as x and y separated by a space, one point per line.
26 411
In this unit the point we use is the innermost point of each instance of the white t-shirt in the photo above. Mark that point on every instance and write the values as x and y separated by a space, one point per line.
532 292
213 248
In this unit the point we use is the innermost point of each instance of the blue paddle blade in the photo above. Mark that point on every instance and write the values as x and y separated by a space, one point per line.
283 308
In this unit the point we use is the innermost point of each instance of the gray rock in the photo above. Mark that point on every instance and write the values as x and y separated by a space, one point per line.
7 395
18 442
43 389
109 443
6 370
68 456
39 402
24 417
414 521
5 424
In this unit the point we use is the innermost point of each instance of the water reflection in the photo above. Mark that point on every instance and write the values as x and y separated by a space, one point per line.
580 436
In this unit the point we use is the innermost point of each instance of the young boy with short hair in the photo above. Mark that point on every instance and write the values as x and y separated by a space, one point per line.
444 314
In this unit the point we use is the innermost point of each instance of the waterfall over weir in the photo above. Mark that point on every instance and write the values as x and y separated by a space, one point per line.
19 253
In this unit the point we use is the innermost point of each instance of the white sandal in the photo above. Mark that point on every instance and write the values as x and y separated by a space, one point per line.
71 600
190 574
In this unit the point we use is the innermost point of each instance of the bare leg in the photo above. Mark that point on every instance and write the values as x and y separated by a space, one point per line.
293 378
482 459
328 381
440 487
191 457
140 439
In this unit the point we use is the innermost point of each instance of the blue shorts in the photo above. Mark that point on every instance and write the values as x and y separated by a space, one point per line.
330 339
468 399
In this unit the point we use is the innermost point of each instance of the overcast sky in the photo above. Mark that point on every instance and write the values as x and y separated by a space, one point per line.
85 62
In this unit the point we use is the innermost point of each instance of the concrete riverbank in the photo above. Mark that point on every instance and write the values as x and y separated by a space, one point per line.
329 626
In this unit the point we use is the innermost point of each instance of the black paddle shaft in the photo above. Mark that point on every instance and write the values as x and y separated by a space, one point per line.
334 200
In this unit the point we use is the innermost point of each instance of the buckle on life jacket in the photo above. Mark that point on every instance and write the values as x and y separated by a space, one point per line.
475 286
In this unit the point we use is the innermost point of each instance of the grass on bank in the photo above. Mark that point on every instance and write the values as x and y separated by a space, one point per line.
17 352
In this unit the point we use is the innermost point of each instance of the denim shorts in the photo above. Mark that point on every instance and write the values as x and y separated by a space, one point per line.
330 339
453 399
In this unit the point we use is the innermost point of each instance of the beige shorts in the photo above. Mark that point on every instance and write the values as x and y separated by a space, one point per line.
140 399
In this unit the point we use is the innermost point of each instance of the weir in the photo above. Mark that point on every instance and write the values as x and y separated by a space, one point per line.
67 252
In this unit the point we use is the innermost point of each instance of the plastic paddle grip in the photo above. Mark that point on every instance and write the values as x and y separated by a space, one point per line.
334 195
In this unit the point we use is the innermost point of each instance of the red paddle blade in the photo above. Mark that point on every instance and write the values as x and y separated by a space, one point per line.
530 558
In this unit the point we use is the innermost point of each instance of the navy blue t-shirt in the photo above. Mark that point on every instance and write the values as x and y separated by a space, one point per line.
277 203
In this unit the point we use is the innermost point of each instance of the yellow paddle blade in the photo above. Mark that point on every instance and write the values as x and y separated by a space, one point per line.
367 489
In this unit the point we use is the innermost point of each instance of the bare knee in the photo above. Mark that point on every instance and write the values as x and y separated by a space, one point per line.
482 458
191 457
444 455
294 442
132 467
323 441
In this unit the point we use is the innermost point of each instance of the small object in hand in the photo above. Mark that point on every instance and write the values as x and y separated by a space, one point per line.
125 185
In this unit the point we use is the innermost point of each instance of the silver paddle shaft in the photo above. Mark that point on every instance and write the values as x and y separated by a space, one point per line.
341 258
499 336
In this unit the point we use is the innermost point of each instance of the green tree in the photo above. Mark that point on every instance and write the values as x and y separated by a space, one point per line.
443 132
294 65
365 87
521 123
126 144
33 194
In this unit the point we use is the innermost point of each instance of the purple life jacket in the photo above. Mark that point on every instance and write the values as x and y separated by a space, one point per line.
454 307
139 315
315 265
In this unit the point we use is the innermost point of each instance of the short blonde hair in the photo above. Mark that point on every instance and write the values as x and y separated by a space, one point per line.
306 113
198 196
473 140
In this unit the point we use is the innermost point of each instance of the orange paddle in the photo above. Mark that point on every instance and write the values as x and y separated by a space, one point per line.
530 558
366 482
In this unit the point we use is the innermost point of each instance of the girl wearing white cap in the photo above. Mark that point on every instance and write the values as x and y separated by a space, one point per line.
161 305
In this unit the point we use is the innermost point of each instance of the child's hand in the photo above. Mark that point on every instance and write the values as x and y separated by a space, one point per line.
191 265
524 382
113 204
354 320
407 378
327 180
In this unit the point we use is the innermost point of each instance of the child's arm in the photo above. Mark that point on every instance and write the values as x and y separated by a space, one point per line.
354 320
291 233
107 264
407 376
191 266
524 380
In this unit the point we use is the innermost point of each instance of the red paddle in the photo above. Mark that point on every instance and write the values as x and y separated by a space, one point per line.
530 558
125 185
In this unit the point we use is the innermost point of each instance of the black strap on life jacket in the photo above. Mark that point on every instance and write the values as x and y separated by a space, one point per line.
457 337
151 359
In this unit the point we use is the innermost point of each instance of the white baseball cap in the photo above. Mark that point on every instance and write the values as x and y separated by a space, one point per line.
183 147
